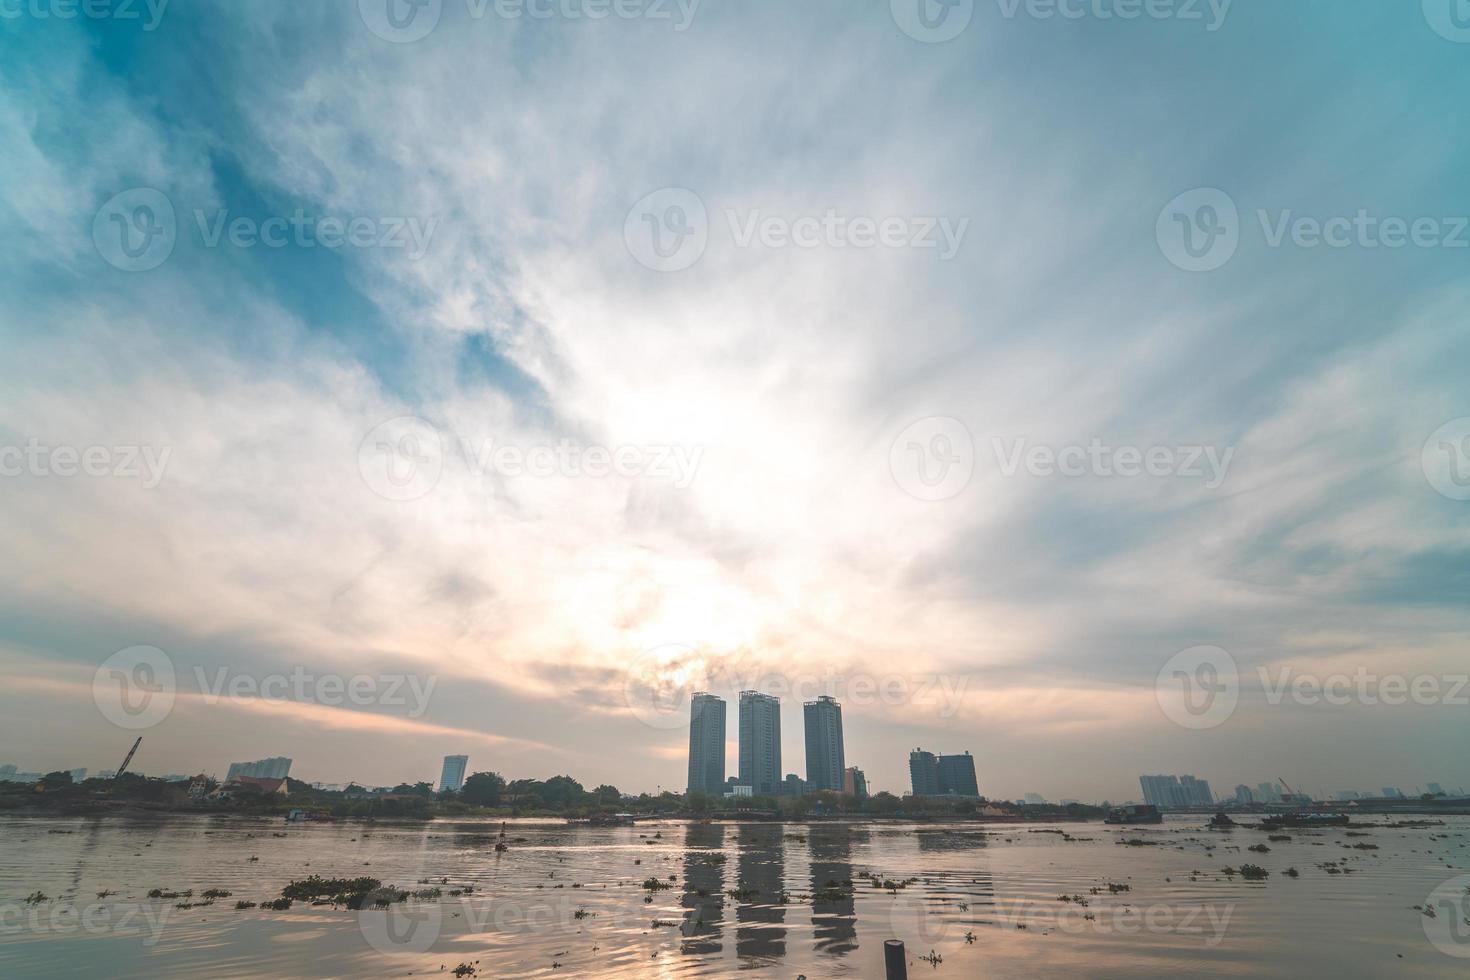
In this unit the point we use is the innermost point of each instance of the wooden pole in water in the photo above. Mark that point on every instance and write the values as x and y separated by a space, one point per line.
894 960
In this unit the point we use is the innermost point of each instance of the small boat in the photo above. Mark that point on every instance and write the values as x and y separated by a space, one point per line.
1222 821
1136 814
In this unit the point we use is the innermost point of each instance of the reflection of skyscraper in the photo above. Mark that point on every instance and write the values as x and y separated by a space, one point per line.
760 742
924 773
834 912
704 888
760 930
451 779
824 756
707 744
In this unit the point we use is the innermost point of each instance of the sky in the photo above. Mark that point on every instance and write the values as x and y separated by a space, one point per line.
1080 386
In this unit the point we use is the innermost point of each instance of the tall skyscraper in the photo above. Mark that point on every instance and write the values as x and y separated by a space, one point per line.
707 744
451 778
276 767
824 756
760 742
924 773
1243 794
957 775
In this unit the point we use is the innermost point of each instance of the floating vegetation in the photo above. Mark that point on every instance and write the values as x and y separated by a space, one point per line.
654 884
1292 873
37 897
214 893
242 904
464 970
352 892
743 894
1139 842
1259 849
277 904
161 893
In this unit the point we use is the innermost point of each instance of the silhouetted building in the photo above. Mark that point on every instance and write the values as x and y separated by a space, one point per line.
706 743
924 773
825 761
451 777
760 742
276 767
855 783
957 775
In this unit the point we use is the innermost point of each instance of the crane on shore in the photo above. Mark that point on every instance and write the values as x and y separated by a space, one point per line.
128 758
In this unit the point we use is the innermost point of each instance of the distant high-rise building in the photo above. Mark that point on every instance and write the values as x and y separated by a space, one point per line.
1035 799
1196 791
1268 793
706 743
1389 793
1173 791
1435 790
924 772
855 783
276 767
77 775
1244 795
957 775
451 777
825 761
760 742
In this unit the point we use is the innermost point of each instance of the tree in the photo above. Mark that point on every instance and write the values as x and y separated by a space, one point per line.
885 803
61 779
607 794
561 791
483 789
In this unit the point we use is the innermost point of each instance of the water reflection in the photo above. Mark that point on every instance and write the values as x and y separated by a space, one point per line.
834 910
760 911
704 889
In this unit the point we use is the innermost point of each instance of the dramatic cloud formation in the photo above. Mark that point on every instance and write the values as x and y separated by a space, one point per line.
408 394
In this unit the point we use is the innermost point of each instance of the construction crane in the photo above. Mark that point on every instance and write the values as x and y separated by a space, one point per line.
129 758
